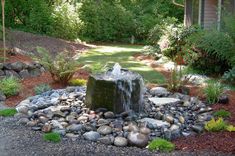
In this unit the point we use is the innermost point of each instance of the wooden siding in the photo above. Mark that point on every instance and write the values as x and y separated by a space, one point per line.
188 13
210 13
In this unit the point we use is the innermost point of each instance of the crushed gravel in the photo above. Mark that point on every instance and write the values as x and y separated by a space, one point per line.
18 140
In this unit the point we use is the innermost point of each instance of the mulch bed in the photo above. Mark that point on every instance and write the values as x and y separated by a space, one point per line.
215 141
219 141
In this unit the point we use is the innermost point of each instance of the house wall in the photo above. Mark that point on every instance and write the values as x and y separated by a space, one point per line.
188 13
210 13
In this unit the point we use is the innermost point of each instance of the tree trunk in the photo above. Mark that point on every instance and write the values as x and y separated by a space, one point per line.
3 30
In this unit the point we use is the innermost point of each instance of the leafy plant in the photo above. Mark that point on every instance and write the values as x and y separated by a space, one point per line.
216 125
77 82
177 35
222 113
53 137
229 76
210 50
161 145
153 51
176 81
61 67
10 86
41 88
212 92
66 22
7 112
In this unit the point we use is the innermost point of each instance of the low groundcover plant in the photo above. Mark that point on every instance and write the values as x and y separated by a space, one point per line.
161 145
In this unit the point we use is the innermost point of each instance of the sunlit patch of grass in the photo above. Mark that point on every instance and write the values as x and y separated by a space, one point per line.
104 57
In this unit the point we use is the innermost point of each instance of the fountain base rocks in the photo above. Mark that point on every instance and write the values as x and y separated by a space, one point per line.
118 90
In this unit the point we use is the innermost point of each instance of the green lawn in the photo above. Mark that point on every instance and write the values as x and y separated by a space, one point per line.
104 57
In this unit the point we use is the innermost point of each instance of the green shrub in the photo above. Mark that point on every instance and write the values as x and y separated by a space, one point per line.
105 21
216 125
229 76
41 88
32 16
161 145
222 113
66 23
160 29
77 82
212 92
61 67
7 112
177 36
53 137
10 86
152 51
212 51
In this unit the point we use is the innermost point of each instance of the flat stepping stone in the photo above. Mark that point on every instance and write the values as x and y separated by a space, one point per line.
164 101
156 123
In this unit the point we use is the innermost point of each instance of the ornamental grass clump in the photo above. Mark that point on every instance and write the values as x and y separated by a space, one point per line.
61 67
212 92
10 86
52 137
161 145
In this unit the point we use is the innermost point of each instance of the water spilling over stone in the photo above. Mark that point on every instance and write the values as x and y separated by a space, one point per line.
118 90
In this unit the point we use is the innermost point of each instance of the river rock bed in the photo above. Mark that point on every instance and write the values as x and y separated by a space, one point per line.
167 115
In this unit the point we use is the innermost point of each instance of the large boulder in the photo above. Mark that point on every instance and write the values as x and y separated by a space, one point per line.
115 94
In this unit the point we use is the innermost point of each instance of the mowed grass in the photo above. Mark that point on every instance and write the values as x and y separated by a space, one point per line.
104 57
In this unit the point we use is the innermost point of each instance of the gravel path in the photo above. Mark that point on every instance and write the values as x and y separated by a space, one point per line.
21 141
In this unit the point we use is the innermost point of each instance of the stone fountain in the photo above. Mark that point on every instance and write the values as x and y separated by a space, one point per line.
117 90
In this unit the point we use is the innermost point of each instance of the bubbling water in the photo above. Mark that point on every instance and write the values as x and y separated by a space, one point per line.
116 70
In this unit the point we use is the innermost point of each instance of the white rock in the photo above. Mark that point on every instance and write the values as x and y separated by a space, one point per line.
137 139
92 136
56 124
164 101
159 91
120 141
155 123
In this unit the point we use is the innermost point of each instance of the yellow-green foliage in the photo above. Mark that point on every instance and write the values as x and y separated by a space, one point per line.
216 125
161 145
77 82
230 128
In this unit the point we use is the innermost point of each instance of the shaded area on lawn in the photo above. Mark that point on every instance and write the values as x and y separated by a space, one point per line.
104 57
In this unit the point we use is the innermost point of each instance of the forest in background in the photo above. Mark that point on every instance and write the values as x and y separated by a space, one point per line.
92 20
